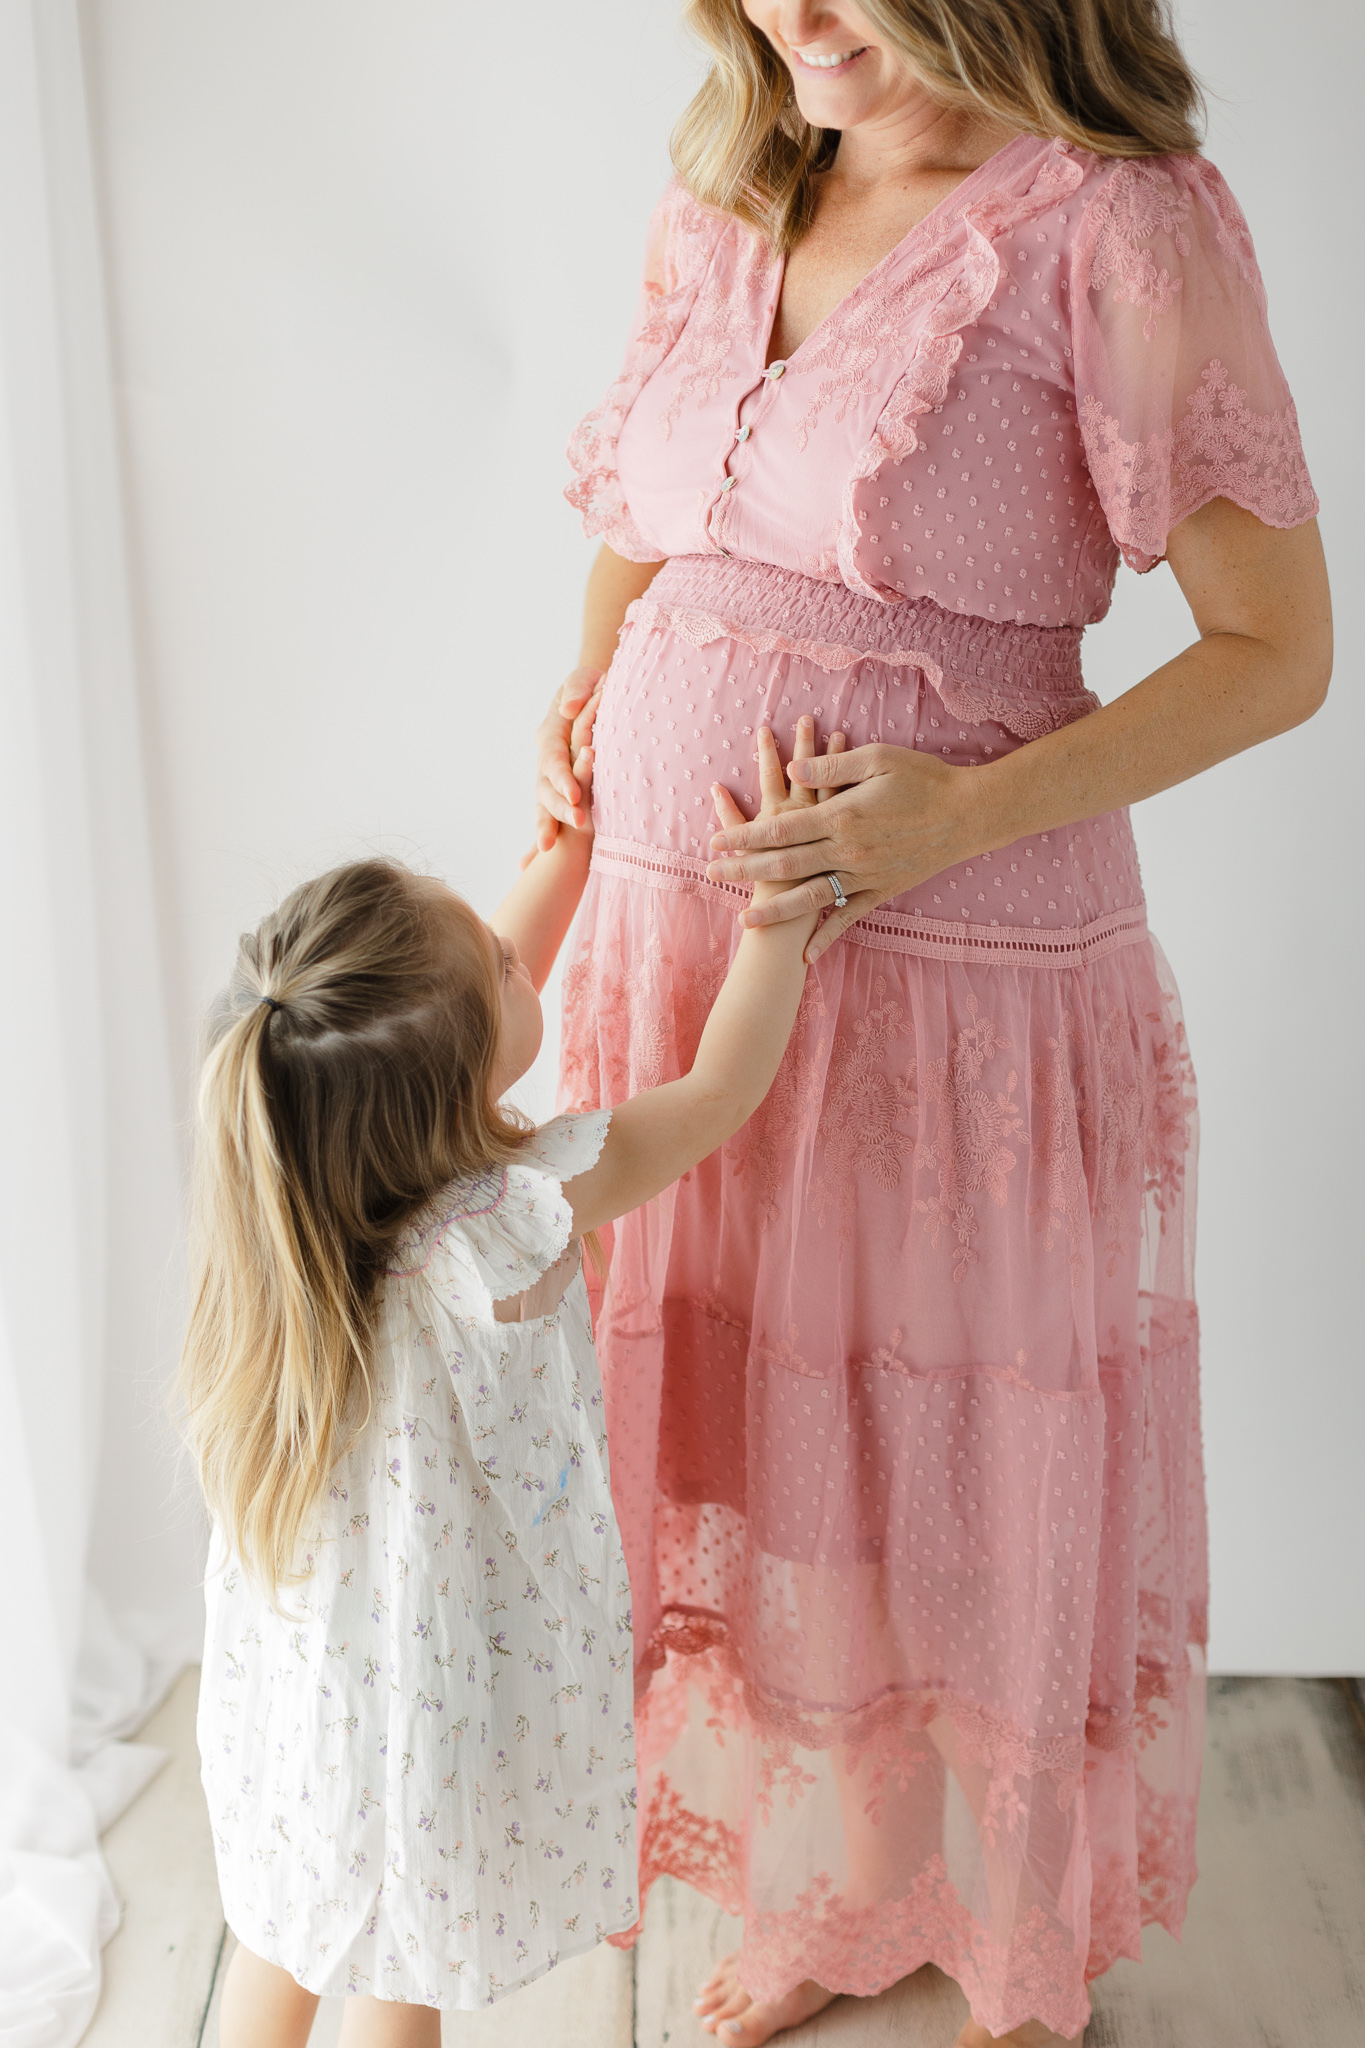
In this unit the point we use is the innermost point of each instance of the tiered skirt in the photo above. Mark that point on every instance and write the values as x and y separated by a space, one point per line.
902 1384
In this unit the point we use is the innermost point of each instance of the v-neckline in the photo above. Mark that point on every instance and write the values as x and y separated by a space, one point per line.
867 279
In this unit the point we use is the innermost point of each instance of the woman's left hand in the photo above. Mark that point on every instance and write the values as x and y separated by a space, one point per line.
899 817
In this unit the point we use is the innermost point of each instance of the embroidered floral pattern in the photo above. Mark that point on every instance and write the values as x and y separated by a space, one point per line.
875 321
1137 201
1063 1202
685 235
1234 236
967 1147
866 1104
1220 449
1118 1122
792 1103
704 347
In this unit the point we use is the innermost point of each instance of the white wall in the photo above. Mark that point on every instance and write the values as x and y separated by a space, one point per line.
368 264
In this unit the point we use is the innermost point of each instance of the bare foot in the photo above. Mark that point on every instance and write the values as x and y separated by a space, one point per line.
726 2010
1033 2034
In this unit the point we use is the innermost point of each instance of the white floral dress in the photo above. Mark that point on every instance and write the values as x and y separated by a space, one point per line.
422 1785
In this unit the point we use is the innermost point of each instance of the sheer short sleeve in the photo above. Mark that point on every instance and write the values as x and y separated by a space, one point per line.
496 1234
682 237
1179 392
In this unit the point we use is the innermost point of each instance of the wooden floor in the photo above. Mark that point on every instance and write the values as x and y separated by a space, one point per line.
1273 1956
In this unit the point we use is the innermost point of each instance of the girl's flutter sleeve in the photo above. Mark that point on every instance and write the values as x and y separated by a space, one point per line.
497 1234
1179 392
682 236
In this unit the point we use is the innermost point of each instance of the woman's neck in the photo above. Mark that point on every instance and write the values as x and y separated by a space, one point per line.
892 151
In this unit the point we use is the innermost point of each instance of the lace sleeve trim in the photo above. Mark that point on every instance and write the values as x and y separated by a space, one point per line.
692 233
1219 449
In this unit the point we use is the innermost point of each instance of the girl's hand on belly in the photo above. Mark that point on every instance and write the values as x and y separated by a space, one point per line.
777 799
901 818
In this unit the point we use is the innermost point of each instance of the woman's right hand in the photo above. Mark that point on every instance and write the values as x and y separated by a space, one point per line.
565 757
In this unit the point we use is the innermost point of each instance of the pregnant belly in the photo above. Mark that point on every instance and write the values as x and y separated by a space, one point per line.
677 717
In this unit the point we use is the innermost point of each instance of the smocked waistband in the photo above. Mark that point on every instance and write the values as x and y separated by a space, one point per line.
1026 678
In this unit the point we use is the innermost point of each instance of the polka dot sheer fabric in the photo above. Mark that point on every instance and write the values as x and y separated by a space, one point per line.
902 1383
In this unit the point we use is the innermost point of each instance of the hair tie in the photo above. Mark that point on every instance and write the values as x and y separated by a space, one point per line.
271 1004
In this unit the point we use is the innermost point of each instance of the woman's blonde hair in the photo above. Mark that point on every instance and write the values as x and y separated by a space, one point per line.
348 1078
1107 75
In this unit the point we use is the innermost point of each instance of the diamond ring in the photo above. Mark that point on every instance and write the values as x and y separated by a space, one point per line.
840 900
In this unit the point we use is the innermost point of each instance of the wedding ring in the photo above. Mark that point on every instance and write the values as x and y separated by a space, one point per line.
840 900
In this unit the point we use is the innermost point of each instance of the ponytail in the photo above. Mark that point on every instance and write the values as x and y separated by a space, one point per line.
348 1079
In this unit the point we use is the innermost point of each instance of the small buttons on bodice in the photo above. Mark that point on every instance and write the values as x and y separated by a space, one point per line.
743 433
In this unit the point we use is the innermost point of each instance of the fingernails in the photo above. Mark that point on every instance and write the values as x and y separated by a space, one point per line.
720 844
799 771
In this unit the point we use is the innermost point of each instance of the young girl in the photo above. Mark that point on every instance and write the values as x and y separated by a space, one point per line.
416 1709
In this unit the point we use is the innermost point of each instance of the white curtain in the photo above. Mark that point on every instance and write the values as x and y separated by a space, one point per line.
89 1177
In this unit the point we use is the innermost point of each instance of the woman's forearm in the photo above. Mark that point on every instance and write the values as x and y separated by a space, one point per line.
896 816
1219 696
613 586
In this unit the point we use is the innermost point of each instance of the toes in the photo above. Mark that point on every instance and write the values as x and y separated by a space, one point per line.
724 1972
717 1988
748 2030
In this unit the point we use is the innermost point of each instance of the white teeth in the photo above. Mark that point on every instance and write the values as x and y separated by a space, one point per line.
827 63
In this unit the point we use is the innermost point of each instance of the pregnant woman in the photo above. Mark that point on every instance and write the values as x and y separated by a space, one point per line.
942 315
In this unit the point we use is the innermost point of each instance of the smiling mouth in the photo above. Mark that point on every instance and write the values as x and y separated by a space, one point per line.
835 60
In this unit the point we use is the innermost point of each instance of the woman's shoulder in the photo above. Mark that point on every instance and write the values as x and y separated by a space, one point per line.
1163 211
683 236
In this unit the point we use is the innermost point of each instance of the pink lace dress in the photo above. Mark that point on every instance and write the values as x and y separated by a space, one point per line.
902 1383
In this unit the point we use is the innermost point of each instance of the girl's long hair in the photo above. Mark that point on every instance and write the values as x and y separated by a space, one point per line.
347 1079
1107 75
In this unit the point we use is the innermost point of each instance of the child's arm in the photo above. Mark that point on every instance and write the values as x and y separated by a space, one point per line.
656 1136
538 910
539 907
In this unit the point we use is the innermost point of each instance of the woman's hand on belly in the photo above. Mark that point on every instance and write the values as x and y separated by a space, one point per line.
564 763
902 818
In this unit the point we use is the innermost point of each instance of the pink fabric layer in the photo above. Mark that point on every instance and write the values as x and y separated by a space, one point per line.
902 1396
1062 361
902 1383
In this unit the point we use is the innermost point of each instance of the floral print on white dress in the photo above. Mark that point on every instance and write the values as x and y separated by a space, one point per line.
421 1776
